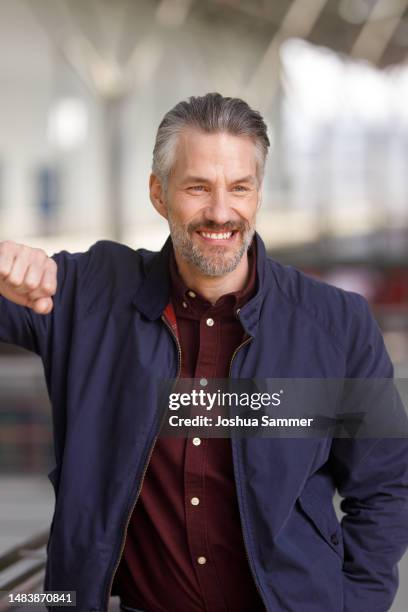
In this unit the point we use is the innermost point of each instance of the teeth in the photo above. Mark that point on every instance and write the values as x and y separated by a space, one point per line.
218 236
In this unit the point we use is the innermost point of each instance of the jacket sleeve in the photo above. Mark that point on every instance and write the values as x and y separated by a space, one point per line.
23 327
371 476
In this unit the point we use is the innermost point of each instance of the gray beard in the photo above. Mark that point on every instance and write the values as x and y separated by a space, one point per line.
216 264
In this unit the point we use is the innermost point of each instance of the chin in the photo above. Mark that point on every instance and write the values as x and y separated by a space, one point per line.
217 266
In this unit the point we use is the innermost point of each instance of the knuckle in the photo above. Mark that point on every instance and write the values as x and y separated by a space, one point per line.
14 282
6 247
28 252
31 284
3 269
40 254
48 286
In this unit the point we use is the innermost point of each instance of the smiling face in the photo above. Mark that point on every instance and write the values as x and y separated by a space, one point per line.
211 200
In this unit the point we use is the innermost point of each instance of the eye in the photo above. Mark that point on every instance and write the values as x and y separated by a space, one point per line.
197 188
240 188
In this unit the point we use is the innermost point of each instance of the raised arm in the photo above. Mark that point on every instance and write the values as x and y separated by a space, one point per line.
41 296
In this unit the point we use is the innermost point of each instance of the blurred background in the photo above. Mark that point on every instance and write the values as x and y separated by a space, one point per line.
83 87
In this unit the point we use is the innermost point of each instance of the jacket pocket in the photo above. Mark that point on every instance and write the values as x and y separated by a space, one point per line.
324 519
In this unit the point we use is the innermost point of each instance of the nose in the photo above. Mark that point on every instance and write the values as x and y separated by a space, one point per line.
218 209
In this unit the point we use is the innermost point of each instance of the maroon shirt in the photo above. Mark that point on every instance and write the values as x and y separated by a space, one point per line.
184 550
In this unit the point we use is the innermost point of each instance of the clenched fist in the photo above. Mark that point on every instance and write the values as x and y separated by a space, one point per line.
27 276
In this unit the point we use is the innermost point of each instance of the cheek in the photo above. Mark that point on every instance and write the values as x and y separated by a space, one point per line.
247 208
185 209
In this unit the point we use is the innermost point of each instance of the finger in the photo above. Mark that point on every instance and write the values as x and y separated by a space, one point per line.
32 278
7 257
49 279
48 283
41 305
18 272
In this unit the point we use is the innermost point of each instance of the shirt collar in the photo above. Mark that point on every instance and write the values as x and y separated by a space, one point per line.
152 293
190 303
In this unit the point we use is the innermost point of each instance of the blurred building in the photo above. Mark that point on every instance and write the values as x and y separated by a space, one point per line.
85 84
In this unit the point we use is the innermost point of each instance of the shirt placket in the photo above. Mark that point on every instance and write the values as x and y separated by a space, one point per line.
194 477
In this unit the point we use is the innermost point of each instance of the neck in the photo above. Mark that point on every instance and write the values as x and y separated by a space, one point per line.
212 288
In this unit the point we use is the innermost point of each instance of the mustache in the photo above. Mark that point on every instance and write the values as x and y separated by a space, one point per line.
225 227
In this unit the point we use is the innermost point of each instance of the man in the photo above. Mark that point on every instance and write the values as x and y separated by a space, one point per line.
192 524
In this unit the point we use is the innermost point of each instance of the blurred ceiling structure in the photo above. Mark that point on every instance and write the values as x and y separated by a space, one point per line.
142 49
108 42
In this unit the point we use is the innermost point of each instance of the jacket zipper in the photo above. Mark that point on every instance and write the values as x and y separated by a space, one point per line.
144 469
246 341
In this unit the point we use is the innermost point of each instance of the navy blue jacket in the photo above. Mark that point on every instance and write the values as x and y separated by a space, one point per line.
104 347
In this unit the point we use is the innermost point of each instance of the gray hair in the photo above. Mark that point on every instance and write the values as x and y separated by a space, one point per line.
210 113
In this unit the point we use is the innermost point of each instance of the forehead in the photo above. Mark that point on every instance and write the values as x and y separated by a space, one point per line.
197 151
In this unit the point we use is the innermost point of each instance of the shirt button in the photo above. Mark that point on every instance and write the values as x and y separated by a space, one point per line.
203 382
194 501
196 441
201 560
184 304
191 294
210 322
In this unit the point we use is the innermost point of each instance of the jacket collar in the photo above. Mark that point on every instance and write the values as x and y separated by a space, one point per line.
154 291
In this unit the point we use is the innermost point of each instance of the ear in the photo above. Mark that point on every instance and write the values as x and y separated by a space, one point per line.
157 195
259 200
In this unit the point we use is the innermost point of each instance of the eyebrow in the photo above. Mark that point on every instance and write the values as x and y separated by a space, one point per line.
200 179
